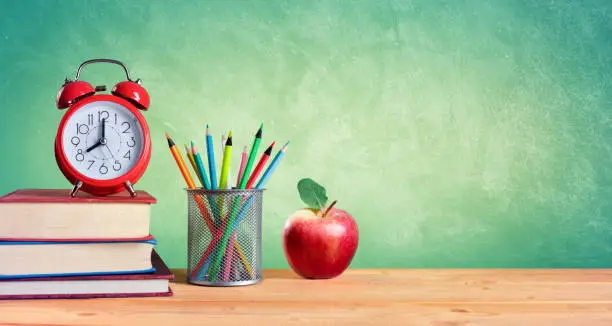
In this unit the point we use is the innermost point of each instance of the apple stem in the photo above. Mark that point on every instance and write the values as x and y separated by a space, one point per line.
328 208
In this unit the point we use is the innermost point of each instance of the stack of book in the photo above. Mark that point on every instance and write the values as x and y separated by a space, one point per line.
56 246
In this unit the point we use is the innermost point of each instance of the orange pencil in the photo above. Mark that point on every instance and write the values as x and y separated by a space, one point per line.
181 164
262 161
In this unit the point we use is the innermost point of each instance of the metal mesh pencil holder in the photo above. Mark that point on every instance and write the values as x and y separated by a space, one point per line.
224 237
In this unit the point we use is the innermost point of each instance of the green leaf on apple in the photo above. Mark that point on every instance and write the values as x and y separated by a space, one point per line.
312 193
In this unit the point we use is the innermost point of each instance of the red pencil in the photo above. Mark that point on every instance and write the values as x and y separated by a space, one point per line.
262 161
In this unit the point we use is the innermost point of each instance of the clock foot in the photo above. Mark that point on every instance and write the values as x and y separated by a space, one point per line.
130 188
76 188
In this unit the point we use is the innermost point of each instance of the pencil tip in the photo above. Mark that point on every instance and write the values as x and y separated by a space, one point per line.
259 131
245 148
170 141
269 149
286 144
230 134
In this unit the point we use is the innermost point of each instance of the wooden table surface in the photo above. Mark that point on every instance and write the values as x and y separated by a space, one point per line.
358 297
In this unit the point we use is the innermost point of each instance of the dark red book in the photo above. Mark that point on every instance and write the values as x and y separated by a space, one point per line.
52 215
63 196
99 286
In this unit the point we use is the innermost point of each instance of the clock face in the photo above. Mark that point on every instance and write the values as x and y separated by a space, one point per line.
103 140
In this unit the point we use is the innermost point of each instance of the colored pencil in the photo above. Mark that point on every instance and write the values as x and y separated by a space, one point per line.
227 154
272 167
229 171
181 164
242 166
249 165
192 162
262 162
211 159
200 166
190 183
229 253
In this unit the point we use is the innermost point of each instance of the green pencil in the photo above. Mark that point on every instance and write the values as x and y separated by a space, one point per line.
249 165
227 153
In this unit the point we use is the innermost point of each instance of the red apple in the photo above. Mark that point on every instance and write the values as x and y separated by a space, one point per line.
320 244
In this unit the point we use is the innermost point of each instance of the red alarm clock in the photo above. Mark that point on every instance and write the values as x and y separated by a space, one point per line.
103 144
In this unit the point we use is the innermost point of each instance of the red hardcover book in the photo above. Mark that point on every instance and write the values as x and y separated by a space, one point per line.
100 286
63 196
52 215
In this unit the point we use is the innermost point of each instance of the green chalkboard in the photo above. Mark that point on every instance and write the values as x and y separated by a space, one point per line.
457 133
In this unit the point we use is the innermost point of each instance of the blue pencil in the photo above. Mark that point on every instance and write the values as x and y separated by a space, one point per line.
211 159
271 167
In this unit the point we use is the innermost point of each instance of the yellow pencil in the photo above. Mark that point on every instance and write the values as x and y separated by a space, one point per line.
227 153
193 164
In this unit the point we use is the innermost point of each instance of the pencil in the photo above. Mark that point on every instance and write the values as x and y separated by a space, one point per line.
279 156
229 253
249 165
262 162
192 162
181 164
190 183
211 159
242 165
200 166
229 171
227 153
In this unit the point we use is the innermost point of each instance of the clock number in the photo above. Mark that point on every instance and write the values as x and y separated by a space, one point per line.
91 162
115 118
82 129
103 169
90 119
133 141
75 141
103 115
128 155
79 156
117 166
126 128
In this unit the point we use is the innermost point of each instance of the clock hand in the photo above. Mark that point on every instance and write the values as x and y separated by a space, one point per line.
103 127
92 147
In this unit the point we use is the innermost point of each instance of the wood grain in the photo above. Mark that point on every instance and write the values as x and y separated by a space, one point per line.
359 297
